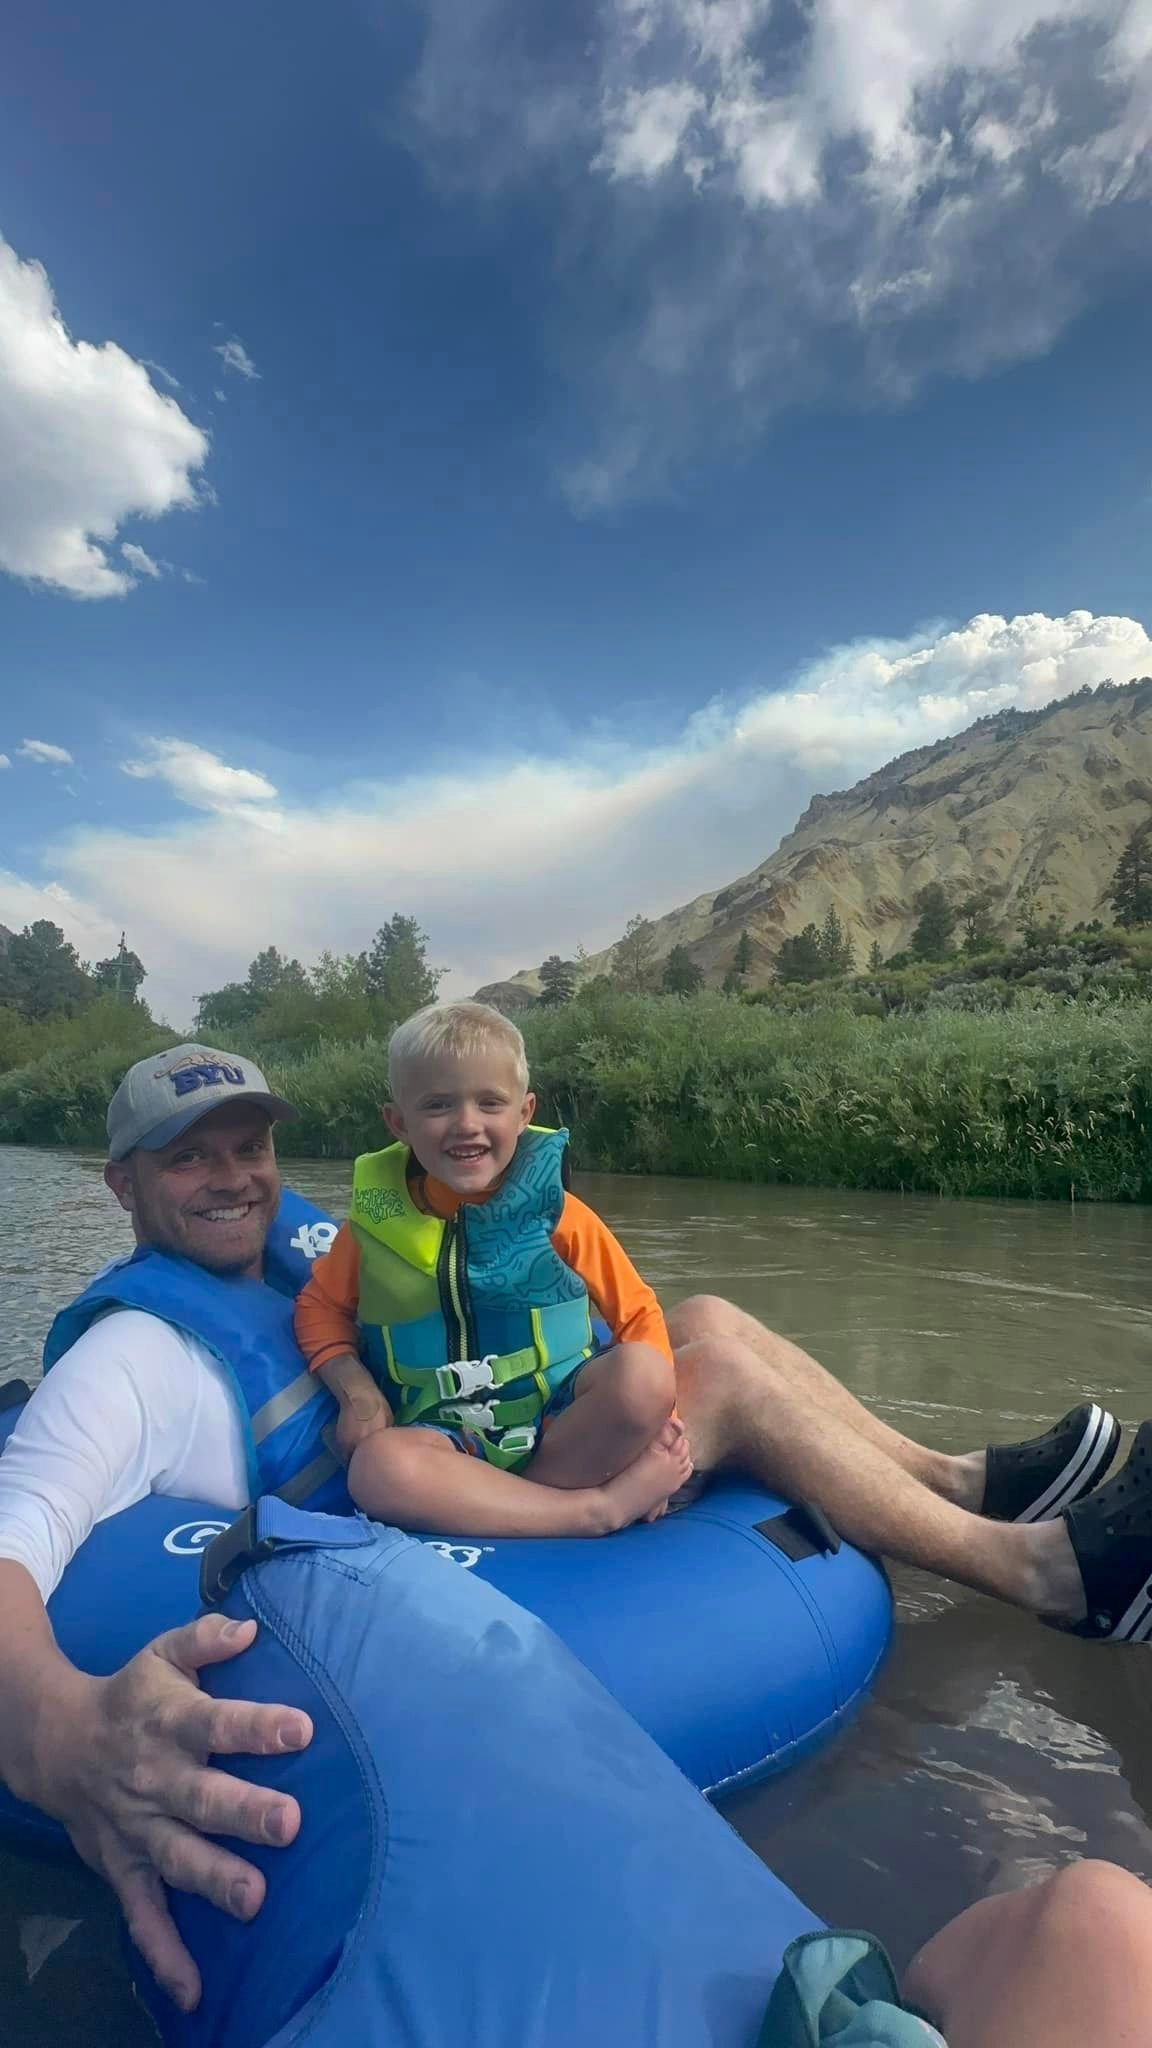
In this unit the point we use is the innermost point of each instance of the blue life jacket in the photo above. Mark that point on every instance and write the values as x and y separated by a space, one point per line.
467 1776
247 1325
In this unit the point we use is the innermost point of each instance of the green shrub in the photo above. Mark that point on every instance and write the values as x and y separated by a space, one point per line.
959 1096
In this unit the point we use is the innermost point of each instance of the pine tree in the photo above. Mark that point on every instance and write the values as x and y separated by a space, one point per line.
800 958
835 945
975 913
742 957
875 957
932 938
557 980
396 970
681 977
1132 883
634 956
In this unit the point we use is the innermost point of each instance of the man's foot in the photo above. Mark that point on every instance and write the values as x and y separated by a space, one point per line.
1111 1534
1036 1481
641 1492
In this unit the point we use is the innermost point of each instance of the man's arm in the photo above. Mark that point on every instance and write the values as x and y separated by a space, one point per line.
363 1408
121 1762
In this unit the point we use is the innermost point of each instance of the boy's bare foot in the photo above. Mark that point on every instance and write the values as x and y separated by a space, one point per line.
642 1491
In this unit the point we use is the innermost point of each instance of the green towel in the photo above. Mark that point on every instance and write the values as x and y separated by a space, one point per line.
839 1990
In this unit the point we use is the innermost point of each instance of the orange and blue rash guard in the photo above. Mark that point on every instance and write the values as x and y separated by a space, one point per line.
326 1310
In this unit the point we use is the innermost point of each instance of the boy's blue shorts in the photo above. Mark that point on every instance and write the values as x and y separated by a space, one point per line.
472 1444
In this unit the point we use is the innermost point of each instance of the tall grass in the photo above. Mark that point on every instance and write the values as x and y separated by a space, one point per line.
1051 1100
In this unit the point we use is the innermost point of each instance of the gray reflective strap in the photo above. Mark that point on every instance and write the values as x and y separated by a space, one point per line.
296 1490
296 1395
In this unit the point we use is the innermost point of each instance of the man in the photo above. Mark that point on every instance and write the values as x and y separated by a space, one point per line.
141 1403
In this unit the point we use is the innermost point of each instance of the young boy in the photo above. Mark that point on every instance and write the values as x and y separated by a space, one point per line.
467 1277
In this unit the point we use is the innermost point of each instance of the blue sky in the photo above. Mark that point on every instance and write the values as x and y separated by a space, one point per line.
548 444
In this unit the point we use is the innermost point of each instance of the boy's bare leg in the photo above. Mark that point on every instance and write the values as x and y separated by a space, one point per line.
622 1399
418 1479
739 1410
1065 1964
958 1479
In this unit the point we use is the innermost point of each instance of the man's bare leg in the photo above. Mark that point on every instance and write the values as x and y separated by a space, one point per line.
741 1408
1066 1963
707 1316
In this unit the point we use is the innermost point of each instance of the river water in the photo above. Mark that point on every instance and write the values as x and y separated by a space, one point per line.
992 1748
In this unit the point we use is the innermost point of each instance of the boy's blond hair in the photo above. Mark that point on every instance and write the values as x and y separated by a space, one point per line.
459 1029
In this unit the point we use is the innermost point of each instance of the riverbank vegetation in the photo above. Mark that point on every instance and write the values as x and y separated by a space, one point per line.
1051 1098
1022 1070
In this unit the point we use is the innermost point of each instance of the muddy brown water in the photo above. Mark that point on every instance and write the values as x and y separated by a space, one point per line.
992 1748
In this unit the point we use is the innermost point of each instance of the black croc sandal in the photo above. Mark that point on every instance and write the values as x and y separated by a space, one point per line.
1037 1480
1111 1534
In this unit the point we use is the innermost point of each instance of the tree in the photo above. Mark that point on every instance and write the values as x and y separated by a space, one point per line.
270 974
396 970
975 914
742 957
932 938
875 957
800 958
736 977
121 975
40 974
221 1012
835 945
634 956
1132 882
681 976
340 976
557 980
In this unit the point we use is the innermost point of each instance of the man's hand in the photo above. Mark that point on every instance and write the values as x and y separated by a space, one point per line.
363 1409
352 1425
122 1762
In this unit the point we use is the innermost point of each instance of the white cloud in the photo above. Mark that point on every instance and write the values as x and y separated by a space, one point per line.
4 761
45 752
756 203
207 783
86 441
235 356
172 382
138 560
520 858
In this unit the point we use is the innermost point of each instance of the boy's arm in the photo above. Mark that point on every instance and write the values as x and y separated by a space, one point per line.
328 1334
625 1301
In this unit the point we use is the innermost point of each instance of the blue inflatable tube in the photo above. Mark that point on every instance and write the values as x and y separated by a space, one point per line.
492 1852
727 1632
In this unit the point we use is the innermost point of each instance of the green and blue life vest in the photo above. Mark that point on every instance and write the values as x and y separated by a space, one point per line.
476 1322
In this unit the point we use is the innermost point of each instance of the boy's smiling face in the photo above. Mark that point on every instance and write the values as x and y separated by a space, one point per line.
462 1116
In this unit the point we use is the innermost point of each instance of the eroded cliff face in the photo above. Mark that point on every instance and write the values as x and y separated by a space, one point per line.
1033 806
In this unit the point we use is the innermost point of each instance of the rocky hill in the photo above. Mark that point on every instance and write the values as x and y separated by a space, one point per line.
1032 805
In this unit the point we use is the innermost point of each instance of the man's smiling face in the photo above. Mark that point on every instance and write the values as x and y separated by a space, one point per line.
210 1195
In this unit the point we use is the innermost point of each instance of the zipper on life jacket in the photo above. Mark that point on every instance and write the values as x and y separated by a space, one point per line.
455 1295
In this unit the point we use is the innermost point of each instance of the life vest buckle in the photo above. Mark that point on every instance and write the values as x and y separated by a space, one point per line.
479 1415
466 1376
520 1442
